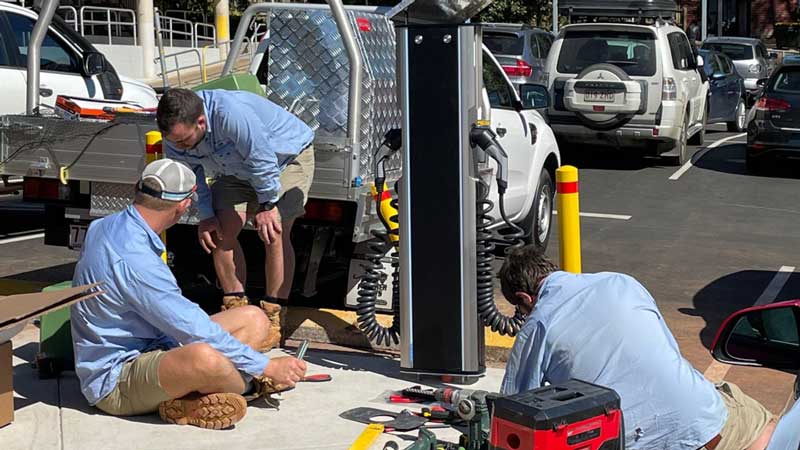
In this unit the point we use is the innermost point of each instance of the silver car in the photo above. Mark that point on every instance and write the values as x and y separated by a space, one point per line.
520 49
750 57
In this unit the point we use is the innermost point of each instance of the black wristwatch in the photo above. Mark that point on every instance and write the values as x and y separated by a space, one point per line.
267 206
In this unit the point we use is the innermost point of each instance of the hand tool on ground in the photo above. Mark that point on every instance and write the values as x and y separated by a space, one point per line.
403 421
316 378
301 349
367 437
273 402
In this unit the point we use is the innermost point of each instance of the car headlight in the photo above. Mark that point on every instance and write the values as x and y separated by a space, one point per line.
755 68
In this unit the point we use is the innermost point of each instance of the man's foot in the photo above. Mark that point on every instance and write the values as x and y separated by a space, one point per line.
262 387
230 301
211 411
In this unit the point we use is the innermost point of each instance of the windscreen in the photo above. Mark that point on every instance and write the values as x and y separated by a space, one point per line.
631 51
787 81
736 52
504 43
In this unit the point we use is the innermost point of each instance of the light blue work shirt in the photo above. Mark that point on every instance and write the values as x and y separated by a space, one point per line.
141 310
605 328
247 137
787 434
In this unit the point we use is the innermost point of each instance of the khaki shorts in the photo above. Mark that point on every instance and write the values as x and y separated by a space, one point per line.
746 418
138 390
229 192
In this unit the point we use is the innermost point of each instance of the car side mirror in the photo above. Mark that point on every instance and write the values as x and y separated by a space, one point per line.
700 61
534 96
718 75
766 336
94 63
762 82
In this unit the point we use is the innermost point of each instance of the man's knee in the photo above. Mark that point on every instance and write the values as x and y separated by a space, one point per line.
256 320
208 361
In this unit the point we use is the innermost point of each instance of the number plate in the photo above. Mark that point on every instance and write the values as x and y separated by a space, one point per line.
598 96
77 233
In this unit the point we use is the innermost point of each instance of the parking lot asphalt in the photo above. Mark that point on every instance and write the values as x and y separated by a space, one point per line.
705 240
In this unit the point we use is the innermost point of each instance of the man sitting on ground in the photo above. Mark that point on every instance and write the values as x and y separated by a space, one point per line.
605 328
141 346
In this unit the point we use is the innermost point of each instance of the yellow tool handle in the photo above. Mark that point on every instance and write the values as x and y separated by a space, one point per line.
367 437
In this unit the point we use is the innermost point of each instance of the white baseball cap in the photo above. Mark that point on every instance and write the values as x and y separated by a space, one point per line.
175 179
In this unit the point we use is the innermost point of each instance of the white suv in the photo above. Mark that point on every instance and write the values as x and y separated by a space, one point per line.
627 85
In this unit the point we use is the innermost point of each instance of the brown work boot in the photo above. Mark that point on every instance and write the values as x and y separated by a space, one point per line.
234 301
265 387
276 315
211 411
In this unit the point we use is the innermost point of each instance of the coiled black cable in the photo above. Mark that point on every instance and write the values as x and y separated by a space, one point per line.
487 308
369 285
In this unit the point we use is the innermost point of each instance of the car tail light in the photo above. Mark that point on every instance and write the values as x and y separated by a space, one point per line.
34 188
669 90
754 68
328 211
521 69
772 105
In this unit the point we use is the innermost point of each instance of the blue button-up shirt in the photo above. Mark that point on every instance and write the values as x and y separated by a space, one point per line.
606 329
787 434
142 308
247 137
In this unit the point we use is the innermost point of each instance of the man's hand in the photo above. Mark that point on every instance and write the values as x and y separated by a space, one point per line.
204 233
286 370
268 225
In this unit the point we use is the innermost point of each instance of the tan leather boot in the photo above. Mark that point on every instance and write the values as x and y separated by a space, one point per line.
276 315
233 301
265 387
212 411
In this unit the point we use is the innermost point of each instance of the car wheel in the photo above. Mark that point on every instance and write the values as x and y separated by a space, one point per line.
682 146
741 116
538 222
700 137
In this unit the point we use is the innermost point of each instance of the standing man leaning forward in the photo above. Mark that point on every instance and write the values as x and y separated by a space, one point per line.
605 328
261 158
141 346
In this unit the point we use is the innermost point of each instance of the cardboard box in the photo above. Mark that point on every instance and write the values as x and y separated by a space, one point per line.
15 312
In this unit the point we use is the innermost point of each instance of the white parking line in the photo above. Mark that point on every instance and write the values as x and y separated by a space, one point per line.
602 216
27 237
716 371
700 154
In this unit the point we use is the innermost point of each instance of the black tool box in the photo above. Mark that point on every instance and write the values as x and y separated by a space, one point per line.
575 415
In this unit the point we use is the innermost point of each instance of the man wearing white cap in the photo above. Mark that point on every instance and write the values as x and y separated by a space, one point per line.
141 346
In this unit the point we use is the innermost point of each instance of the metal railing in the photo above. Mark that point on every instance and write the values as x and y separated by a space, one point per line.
251 45
177 69
172 27
204 37
70 16
112 21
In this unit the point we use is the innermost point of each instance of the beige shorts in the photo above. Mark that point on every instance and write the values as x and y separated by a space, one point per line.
229 192
138 390
747 418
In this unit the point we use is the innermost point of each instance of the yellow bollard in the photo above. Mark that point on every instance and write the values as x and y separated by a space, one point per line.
569 221
153 150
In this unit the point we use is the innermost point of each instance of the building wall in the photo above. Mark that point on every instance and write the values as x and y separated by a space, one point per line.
763 14
127 59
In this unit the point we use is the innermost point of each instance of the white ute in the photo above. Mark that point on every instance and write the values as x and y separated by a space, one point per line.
70 65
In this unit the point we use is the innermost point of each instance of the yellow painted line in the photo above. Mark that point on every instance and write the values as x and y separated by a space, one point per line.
367 437
309 315
12 287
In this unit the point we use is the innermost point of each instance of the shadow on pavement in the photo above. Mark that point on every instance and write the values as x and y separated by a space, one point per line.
726 295
729 158
49 275
607 158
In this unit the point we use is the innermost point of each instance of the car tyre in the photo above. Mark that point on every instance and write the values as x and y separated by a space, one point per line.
539 221
741 115
682 145
700 137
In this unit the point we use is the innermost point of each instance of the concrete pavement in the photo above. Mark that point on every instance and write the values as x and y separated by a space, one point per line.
53 415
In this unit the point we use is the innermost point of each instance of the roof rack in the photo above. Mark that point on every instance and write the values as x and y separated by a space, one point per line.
636 9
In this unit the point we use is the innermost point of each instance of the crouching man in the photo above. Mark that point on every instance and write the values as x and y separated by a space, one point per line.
605 328
141 346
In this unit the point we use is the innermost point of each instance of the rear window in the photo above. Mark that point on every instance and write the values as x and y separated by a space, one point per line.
633 52
787 81
736 52
504 43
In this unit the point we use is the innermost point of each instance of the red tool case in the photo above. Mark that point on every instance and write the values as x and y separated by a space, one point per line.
575 415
